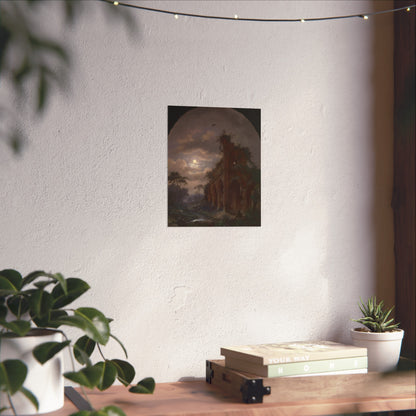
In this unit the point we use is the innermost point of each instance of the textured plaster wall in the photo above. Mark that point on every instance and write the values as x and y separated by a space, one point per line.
88 197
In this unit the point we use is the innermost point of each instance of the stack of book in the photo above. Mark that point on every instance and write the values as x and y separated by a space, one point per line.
296 359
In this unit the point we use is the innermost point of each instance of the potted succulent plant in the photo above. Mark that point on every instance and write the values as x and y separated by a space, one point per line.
34 310
380 335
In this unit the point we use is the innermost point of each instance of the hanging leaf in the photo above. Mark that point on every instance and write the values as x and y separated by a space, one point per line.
98 328
88 376
145 386
83 349
45 351
18 327
125 371
75 288
108 374
89 320
55 315
30 396
12 375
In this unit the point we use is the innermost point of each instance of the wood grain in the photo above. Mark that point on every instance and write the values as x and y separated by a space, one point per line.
296 396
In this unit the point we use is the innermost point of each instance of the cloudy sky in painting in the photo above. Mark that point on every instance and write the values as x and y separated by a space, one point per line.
193 147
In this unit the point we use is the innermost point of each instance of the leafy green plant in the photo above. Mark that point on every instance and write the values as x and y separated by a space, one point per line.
41 300
39 63
375 317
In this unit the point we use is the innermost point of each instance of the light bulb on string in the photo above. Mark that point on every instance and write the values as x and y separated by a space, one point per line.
248 19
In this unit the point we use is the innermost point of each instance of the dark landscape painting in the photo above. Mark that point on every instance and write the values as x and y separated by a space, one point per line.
213 166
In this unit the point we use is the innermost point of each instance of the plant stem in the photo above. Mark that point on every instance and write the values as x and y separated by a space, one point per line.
11 404
101 353
73 369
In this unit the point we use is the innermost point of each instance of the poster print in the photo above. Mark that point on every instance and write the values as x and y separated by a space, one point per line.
213 167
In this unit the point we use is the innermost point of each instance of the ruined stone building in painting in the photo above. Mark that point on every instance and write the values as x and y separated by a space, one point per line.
234 183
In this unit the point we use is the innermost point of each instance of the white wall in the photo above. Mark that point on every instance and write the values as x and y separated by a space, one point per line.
88 197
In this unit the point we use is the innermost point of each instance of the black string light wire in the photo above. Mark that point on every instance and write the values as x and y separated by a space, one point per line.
364 16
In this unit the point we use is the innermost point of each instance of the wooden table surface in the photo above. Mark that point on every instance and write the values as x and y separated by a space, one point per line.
198 398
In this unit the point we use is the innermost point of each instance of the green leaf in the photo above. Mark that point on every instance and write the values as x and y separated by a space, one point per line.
45 351
18 327
54 277
3 312
108 374
125 371
98 328
20 73
13 276
88 376
145 386
75 321
105 411
75 288
110 411
55 316
31 277
30 396
83 413
40 304
89 320
12 375
43 88
7 287
83 349
18 305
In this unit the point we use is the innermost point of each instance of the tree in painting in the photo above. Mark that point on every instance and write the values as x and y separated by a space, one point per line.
177 193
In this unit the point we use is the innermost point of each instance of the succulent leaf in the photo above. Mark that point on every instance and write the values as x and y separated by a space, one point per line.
375 318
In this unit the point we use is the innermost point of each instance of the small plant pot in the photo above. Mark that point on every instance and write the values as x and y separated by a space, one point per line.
383 348
44 381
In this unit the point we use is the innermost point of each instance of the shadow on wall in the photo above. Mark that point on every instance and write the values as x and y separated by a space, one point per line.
382 142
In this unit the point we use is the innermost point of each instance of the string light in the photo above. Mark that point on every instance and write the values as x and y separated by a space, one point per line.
365 16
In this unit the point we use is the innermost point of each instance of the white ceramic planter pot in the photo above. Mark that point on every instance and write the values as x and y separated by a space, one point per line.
44 381
383 348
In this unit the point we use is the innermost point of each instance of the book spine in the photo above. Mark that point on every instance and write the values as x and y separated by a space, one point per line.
333 373
309 367
313 367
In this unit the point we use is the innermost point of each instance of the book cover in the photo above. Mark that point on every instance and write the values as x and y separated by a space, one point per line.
298 368
267 354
